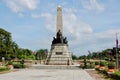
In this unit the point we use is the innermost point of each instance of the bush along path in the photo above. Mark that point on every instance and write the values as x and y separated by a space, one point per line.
109 71
93 73
12 66
103 70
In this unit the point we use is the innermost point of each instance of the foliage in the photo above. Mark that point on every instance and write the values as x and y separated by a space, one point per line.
5 41
82 57
97 63
85 63
74 57
10 63
97 69
4 69
8 48
88 65
102 71
18 65
41 54
105 71
25 54
103 63
89 56
111 65
91 65
95 55
22 61
107 54
116 75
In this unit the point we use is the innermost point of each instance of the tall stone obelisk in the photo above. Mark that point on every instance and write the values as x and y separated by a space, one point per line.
59 53
59 19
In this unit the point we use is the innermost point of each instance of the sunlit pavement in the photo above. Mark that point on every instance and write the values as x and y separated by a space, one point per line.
46 74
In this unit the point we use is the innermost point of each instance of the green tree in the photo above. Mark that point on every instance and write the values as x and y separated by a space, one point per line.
82 57
25 54
15 49
41 54
5 43
95 55
10 50
74 57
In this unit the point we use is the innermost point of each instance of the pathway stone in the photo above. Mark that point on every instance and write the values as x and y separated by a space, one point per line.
47 74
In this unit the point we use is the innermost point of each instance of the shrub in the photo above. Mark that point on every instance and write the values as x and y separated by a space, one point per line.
111 65
4 69
97 63
92 64
107 59
116 75
102 63
97 69
87 65
19 65
22 61
105 71
10 63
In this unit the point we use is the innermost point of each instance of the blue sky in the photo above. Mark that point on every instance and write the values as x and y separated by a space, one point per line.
89 25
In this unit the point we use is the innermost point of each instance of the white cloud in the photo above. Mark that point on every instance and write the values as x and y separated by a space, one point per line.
35 15
80 35
72 25
95 42
21 15
92 5
21 5
49 20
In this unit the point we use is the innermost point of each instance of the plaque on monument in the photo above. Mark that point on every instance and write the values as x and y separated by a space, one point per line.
59 53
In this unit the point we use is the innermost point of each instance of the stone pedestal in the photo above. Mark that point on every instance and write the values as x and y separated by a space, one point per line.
59 55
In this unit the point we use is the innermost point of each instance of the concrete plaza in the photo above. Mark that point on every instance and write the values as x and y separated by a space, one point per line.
47 74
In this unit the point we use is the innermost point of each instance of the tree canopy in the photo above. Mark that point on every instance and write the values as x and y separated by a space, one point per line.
6 46
10 49
41 54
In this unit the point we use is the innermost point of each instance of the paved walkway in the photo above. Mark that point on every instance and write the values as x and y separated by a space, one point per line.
46 74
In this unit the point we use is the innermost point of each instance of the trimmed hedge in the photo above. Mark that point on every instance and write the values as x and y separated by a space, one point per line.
4 69
116 75
89 65
19 66
103 63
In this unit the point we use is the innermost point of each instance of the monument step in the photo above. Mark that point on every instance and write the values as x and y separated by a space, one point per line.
70 67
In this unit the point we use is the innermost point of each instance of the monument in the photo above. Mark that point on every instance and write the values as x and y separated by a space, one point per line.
59 53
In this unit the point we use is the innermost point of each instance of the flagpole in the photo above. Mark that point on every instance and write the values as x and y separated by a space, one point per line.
117 62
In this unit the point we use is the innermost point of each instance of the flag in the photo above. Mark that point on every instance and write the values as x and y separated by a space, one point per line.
116 41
